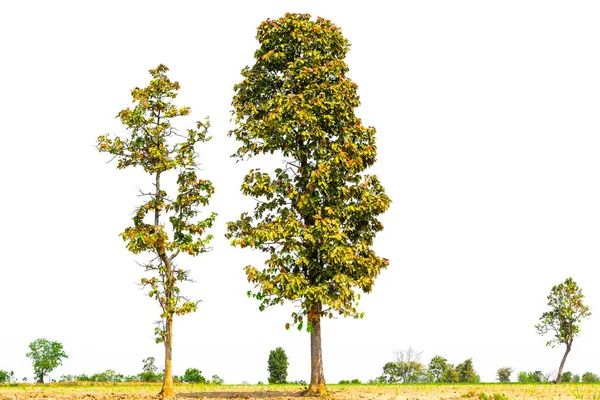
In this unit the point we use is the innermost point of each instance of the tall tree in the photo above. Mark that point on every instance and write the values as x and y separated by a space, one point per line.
45 355
155 145
566 313
316 217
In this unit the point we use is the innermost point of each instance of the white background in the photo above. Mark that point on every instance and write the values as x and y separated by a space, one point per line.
487 116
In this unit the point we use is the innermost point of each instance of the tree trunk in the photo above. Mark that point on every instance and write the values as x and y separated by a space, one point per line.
167 388
562 364
317 378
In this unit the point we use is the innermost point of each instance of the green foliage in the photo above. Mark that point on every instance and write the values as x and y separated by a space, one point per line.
316 217
590 377
503 374
277 366
6 376
566 313
216 380
107 376
193 375
466 372
300 382
350 382
403 372
45 356
437 368
530 377
567 376
67 378
149 364
155 145
380 380
149 373
450 375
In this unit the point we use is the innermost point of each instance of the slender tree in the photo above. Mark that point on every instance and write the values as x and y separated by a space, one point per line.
316 217
159 148
566 313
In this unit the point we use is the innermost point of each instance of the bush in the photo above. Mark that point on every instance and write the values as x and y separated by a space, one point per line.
530 377
504 373
589 377
193 375
567 377
216 380
6 376
352 382
466 372
277 366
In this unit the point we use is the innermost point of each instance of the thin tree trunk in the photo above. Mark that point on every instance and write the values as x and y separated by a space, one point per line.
562 364
317 378
167 388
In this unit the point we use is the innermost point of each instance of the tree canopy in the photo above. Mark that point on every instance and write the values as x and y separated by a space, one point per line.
45 355
316 216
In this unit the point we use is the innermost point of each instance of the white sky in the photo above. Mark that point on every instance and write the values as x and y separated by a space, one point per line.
488 126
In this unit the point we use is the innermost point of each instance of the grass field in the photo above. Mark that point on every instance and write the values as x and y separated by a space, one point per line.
490 391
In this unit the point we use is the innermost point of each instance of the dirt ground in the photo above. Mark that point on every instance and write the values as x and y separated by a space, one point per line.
337 392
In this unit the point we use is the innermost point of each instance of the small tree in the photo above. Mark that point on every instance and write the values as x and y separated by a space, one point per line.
567 376
193 375
6 376
149 373
503 374
436 368
466 372
317 216
566 313
277 366
45 356
217 380
589 377
406 368
159 148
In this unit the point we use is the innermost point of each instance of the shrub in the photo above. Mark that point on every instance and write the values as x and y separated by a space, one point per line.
193 375
300 382
530 377
216 380
6 376
567 376
466 372
504 373
589 377
277 366
352 382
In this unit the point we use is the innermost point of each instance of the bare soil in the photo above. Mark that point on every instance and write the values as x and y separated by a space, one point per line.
286 392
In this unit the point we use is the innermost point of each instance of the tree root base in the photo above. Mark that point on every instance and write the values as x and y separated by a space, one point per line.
316 391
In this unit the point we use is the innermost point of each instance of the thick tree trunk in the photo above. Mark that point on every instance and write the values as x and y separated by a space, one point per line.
167 388
317 378
562 364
